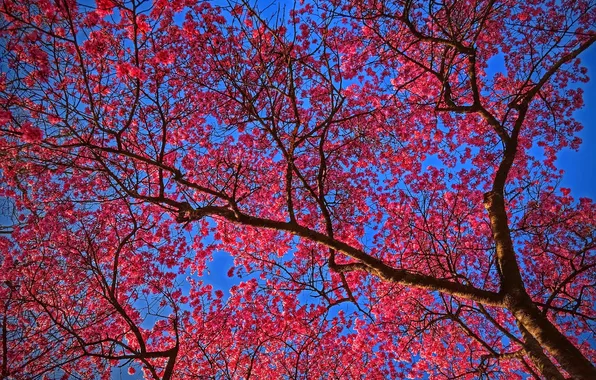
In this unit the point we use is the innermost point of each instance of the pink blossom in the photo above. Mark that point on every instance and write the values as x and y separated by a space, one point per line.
97 44
122 69
54 119
92 19
31 134
104 7
4 117
165 57
136 72
523 17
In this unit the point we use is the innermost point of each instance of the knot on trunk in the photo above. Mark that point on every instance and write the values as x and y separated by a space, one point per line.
492 198
187 214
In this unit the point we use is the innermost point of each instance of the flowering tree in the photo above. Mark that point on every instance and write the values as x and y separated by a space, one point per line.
388 191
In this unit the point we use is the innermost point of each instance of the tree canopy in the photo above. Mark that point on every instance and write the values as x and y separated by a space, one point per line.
383 174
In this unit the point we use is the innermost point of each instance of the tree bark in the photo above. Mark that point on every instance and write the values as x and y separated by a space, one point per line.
538 357
549 337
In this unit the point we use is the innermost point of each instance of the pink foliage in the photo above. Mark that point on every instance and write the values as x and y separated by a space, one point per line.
389 198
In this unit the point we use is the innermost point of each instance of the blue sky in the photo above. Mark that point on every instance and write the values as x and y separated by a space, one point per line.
580 167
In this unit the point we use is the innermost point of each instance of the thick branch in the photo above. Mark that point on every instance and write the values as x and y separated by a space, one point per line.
552 71
367 263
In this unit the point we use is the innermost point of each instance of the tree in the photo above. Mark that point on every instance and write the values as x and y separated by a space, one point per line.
388 191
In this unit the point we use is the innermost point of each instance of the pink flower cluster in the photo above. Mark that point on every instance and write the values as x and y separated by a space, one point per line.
31 134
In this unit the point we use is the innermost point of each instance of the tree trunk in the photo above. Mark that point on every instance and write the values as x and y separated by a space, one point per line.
549 337
536 354
519 303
